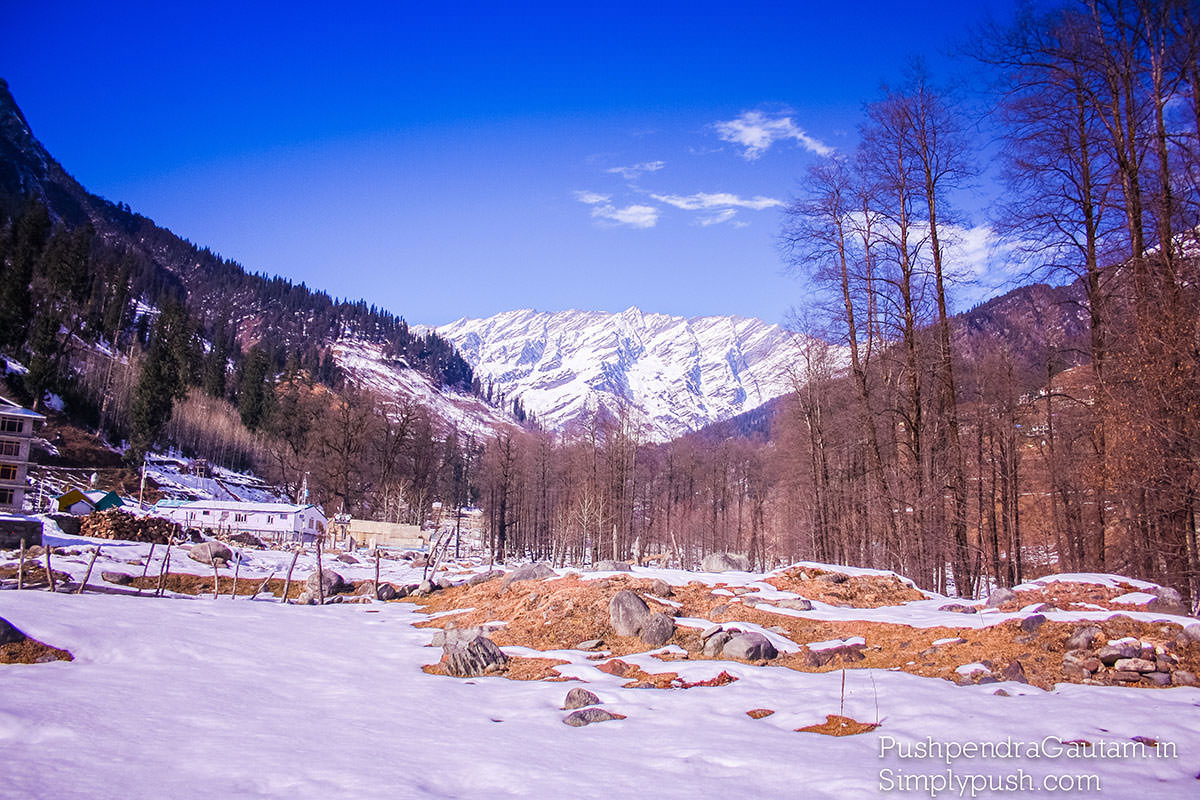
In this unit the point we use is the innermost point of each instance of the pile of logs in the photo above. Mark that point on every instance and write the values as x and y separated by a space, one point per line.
117 524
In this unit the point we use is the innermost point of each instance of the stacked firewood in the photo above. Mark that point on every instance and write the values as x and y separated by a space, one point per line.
117 524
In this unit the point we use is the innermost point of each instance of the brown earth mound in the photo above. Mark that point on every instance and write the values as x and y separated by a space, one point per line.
835 588
518 669
835 725
1072 596
561 613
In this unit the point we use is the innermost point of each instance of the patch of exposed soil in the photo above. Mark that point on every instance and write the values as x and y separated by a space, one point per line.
35 574
31 651
835 725
759 713
839 589
1072 596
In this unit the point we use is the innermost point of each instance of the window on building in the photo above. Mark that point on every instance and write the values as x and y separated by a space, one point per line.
8 472
6 497
11 425
239 517
270 520
10 448
205 513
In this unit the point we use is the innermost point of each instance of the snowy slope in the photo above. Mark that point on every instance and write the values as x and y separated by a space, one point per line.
680 374
366 365
201 698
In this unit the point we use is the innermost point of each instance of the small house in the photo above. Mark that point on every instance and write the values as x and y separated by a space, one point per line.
80 503
278 522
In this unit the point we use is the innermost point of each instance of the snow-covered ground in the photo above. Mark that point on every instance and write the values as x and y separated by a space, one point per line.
200 698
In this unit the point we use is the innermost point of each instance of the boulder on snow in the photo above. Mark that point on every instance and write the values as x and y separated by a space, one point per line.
247 539
472 658
119 578
713 645
609 565
794 603
725 562
9 633
627 613
586 716
1166 600
657 630
329 581
387 592
528 572
580 698
208 552
959 608
749 647
1000 597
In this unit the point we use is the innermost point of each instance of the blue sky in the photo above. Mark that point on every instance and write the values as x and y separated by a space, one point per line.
480 159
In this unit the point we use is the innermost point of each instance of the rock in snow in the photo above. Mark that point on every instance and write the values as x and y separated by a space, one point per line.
9 634
528 572
586 716
209 552
579 698
475 657
627 613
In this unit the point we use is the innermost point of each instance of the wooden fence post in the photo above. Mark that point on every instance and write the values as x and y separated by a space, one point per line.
377 572
146 568
49 572
287 584
320 575
95 555
237 569
21 568
262 586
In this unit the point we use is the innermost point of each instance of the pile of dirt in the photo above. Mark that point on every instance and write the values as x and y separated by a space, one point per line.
35 573
564 612
840 589
117 524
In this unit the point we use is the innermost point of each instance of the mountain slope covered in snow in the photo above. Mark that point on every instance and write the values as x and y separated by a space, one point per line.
675 374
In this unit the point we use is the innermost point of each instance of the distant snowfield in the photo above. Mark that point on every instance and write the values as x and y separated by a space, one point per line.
202 698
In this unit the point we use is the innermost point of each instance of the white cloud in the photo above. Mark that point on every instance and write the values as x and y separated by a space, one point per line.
635 171
702 201
592 198
634 216
719 217
755 131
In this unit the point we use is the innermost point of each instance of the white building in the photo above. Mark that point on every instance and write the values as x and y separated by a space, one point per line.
275 521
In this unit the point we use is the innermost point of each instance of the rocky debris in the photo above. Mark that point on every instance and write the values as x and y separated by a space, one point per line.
609 565
590 644
660 588
657 629
1133 665
484 577
1192 632
1046 607
346 558
959 608
9 633
387 592
714 642
750 646
469 659
329 581
210 552
627 613
1083 637
725 562
425 587
1000 597
528 572
580 698
794 603
1033 622
119 578
117 524
586 716
306 598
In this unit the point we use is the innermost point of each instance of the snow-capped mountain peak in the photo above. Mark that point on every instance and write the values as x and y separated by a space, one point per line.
674 373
